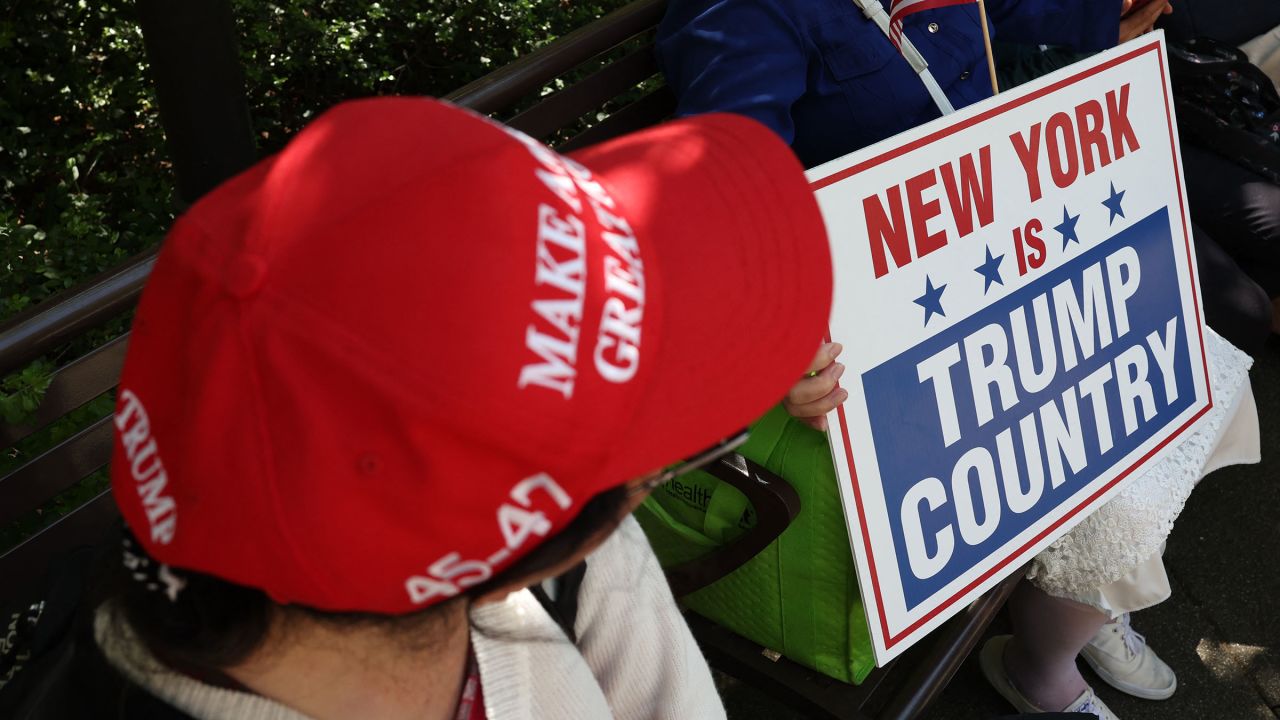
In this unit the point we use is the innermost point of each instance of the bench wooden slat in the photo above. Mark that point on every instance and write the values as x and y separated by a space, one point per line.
23 568
75 384
55 470
564 107
648 110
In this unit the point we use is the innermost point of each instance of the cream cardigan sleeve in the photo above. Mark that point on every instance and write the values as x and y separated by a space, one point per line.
634 638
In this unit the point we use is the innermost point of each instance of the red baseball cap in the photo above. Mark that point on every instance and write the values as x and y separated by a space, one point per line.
377 368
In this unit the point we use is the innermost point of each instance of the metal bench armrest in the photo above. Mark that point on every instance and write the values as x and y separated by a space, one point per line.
948 647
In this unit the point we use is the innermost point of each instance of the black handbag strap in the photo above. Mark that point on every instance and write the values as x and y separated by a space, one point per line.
564 607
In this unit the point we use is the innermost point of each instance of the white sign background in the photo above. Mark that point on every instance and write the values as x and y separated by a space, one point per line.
878 318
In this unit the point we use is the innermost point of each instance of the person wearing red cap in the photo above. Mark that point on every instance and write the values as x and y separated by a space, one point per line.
384 382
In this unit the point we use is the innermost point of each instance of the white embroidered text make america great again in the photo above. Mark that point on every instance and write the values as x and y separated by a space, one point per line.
562 272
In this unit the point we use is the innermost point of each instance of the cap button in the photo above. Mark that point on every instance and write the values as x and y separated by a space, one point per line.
245 274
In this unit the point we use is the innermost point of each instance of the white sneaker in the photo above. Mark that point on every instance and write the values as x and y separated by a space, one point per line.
1090 703
991 660
1122 658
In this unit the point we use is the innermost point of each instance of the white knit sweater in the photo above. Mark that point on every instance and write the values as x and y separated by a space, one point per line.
635 658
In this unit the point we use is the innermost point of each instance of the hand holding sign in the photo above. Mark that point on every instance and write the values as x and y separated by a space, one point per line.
1138 17
818 392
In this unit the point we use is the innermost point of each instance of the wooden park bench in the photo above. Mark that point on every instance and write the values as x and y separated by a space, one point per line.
608 71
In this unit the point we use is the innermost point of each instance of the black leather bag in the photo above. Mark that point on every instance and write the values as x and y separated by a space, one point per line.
1226 104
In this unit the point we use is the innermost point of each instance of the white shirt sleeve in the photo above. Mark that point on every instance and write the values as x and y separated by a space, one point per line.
634 638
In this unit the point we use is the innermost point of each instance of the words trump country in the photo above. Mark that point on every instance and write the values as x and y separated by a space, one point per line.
1017 289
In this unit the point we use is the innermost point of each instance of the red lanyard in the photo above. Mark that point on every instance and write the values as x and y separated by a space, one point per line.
471 702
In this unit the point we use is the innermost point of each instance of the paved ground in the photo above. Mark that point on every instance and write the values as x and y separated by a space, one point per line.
1221 629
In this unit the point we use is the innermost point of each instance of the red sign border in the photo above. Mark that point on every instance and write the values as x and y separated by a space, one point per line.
891 641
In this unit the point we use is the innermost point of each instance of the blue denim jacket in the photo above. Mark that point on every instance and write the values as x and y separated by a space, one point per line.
827 80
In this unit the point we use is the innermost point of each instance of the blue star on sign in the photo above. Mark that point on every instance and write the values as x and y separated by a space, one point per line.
989 270
1113 204
931 300
1067 228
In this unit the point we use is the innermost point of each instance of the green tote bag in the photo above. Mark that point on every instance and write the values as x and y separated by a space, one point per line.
800 595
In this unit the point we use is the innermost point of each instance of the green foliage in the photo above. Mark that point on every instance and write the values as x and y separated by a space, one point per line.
20 393
304 56
84 180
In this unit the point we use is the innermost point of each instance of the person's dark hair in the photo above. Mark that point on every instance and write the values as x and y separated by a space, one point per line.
215 624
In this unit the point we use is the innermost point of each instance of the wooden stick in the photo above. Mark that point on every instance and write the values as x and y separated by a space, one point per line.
986 42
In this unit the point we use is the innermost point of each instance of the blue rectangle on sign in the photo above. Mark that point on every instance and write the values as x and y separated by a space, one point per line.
992 423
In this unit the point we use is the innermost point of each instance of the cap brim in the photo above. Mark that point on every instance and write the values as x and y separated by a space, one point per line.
738 254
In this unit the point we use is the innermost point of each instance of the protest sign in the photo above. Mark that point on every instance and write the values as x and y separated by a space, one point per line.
1017 293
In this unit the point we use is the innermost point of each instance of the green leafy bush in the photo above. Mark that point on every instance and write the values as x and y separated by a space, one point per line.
83 183
84 180
305 56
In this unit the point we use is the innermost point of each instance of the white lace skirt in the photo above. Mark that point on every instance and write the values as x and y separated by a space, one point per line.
1112 559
